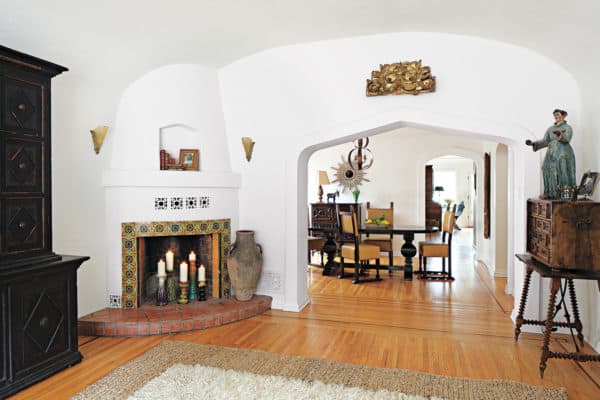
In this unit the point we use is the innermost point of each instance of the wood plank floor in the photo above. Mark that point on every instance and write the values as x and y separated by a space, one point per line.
459 329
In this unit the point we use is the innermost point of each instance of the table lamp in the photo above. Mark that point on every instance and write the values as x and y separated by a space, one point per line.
323 180
438 190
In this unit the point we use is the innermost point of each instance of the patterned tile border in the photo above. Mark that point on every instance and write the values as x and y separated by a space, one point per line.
130 231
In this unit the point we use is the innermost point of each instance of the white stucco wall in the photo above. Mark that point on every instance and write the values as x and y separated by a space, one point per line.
296 99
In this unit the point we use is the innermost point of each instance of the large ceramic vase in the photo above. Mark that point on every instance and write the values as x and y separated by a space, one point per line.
245 264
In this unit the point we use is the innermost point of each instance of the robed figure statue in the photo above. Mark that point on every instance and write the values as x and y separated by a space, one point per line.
558 168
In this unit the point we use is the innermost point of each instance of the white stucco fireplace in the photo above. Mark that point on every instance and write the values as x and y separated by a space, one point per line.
172 108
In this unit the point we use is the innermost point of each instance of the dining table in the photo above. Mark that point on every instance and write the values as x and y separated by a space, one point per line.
408 249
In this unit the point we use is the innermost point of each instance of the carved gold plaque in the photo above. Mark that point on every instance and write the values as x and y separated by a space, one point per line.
401 78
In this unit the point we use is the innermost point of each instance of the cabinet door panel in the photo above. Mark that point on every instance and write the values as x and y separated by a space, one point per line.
40 328
3 337
22 167
24 225
22 106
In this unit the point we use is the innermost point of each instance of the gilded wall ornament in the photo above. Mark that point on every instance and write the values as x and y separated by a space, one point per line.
401 78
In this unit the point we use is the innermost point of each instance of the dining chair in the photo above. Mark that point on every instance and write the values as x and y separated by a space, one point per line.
439 249
359 253
384 241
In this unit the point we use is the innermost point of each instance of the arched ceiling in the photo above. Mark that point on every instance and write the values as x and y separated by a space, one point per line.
218 32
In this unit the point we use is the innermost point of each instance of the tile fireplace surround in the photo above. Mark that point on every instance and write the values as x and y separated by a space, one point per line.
131 231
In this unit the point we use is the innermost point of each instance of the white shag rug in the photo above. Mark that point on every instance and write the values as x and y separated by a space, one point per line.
183 382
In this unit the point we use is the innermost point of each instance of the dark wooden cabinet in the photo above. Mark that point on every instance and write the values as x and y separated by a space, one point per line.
564 234
324 215
38 288
433 210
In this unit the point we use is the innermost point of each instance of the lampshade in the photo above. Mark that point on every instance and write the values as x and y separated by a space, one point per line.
438 189
323 178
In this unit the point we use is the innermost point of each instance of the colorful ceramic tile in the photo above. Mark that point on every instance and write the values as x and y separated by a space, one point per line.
130 231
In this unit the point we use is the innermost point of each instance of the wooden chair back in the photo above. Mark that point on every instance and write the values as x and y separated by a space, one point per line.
373 213
348 223
448 221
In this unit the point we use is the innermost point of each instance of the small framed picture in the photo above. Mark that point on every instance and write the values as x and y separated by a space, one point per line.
588 184
189 159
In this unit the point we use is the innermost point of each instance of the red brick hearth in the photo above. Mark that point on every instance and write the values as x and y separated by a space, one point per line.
172 318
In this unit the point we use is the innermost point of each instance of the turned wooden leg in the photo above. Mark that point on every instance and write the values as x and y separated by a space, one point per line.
577 322
554 286
356 271
341 274
377 277
524 294
391 264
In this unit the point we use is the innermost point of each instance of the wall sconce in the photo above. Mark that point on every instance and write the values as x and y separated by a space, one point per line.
248 147
98 135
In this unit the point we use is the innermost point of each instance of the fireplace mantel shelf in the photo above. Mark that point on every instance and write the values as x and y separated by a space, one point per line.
158 178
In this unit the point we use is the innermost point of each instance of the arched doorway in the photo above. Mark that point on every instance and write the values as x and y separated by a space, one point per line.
518 192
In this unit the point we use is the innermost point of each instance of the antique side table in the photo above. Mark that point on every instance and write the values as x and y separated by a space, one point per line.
555 284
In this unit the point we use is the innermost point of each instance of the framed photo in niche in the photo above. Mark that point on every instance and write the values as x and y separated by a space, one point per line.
189 159
588 184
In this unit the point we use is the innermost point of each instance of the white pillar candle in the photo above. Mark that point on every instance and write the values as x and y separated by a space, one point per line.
201 273
192 256
169 258
183 271
161 268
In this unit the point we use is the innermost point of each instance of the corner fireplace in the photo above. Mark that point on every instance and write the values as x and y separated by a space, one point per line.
143 243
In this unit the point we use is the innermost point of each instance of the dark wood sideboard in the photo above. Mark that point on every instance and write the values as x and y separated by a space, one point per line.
564 234
38 288
324 215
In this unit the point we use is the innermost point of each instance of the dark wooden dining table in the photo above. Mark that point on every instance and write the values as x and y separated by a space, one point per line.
408 249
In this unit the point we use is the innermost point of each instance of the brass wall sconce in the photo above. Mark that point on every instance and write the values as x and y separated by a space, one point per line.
98 135
248 147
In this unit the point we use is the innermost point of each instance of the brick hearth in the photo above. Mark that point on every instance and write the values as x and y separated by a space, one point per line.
150 319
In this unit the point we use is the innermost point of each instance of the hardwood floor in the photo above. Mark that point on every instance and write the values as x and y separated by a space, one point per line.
459 329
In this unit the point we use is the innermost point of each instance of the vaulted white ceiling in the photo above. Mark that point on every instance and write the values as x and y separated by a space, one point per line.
219 32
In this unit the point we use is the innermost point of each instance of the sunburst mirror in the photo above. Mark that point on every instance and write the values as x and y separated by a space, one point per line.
348 177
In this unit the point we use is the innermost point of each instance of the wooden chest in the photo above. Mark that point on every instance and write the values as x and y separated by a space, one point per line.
564 234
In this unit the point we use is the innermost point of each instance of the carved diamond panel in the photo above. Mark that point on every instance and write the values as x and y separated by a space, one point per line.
45 320
25 226
22 106
23 166
22 225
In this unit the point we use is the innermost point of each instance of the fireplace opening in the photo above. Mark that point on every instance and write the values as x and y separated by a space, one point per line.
152 249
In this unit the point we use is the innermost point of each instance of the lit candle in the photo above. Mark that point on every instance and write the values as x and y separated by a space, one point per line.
183 271
161 268
201 273
169 257
192 256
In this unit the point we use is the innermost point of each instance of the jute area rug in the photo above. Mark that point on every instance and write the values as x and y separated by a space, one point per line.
141 372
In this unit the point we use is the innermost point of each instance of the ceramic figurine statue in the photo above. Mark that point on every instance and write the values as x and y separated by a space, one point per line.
558 169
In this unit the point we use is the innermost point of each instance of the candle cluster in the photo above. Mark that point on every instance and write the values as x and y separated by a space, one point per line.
186 272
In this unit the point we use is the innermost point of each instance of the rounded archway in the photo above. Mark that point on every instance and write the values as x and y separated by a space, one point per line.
520 188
